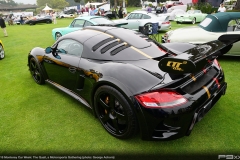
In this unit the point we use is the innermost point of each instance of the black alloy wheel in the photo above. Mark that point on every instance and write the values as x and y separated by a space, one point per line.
36 71
115 113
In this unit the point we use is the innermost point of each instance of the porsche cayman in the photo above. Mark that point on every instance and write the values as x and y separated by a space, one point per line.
132 83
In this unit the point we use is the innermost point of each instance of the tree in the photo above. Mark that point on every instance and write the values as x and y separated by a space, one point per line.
237 7
55 4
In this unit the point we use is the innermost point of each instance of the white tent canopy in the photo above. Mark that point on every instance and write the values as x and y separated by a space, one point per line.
47 8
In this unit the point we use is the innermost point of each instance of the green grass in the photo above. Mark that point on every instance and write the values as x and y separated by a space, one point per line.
42 120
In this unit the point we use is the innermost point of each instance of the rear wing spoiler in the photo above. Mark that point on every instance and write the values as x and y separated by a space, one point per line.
196 58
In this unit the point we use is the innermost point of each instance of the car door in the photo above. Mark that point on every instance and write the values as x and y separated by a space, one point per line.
133 20
64 69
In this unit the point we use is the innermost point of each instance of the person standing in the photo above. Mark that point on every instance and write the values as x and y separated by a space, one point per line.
120 12
221 8
3 26
54 18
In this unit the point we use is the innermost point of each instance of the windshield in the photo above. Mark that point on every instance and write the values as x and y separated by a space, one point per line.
101 20
190 11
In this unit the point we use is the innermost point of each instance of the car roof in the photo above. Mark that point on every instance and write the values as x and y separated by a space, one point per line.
219 21
145 12
114 44
88 17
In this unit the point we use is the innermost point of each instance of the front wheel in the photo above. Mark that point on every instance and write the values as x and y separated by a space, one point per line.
2 52
115 113
194 21
58 35
36 71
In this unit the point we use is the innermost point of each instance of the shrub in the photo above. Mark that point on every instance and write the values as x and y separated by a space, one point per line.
204 7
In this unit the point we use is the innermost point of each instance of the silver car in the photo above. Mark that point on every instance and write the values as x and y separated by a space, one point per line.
138 19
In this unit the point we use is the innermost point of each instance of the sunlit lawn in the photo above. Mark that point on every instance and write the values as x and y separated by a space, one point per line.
42 120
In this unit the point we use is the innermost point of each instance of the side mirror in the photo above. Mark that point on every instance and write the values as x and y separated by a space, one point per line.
48 50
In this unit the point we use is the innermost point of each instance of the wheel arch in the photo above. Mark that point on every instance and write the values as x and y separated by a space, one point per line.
112 83
37 54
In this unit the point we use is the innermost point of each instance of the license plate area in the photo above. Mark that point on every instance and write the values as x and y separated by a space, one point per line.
204 110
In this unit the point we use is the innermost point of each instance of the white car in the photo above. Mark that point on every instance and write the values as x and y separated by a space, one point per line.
138 19
66 15
211 28
172 15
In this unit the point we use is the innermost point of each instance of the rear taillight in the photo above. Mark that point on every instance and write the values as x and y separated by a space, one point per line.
161 99
167 22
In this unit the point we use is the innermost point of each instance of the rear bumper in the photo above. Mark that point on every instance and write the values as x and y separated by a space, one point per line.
173 123
200 113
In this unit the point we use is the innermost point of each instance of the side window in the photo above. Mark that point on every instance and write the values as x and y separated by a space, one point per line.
144 16
138 16
131 16
77 23
87 23
70 47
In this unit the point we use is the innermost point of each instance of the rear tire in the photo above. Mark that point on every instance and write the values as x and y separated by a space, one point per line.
115 113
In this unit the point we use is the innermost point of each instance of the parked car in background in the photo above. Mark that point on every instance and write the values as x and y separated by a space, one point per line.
193 16
172 15
212 27
141 18
169 4
63 15
2 52
39 19
79 23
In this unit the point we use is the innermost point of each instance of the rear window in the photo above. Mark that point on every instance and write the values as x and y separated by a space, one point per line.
205 22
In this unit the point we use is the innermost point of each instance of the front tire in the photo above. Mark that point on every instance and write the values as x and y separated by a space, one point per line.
2 52
115 113
36 71
194 21
58 35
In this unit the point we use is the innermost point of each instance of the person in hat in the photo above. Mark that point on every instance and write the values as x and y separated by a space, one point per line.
3 26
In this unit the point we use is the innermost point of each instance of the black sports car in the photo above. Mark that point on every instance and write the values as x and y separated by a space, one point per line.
133 83
35 20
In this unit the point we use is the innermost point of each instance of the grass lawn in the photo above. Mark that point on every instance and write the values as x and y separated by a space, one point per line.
42 120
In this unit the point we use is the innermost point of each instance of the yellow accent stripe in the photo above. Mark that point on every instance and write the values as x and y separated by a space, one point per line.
193 78
144 54
101 32
208 93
